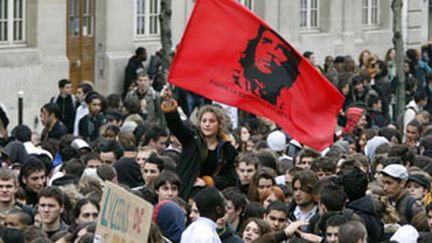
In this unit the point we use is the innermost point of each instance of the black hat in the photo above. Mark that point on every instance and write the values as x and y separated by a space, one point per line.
420 179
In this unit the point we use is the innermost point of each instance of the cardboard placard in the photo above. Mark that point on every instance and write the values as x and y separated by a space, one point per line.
123 217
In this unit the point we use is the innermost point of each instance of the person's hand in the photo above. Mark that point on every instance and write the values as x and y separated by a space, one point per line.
166 92
200 182
169 104
293 227
309 237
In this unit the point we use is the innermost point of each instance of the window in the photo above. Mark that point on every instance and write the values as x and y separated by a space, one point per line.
309 13
74 17
12 22
88 18
247 3
147 18
369 12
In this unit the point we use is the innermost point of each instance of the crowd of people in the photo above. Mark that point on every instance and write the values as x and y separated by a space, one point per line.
218 174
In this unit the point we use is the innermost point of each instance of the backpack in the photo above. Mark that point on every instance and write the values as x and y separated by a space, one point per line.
408 209
400 119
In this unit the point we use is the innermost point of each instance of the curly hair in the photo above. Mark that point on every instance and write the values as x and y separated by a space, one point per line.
222 118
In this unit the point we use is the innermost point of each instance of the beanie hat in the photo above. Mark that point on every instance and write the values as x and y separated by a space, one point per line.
353 115
170 218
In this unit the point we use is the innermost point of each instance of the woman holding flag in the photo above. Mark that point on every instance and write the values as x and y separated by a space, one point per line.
207 158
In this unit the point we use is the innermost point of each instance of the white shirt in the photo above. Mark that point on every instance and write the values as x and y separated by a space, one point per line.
81 111
304 216
203 230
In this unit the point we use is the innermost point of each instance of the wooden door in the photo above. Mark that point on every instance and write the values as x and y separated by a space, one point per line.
81 40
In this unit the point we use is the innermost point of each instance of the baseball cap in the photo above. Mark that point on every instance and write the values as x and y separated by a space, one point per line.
396 171
276 141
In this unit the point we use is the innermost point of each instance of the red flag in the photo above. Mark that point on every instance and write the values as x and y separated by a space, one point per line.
230 55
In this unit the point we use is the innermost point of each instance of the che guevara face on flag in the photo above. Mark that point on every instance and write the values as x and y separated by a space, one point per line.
269 66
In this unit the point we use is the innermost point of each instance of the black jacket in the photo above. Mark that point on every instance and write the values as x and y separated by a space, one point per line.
365 208
227 235
89 127
193 161
58 130
67 106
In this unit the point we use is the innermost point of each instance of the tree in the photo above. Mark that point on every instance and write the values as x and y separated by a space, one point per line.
166 39
400 54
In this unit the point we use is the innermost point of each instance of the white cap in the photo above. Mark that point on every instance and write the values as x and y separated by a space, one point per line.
405 234
396 171
276 141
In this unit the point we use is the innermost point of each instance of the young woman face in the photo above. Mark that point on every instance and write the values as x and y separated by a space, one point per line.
392 54
251 232
416 190
263 185
95 106
345 89
209 124
244 134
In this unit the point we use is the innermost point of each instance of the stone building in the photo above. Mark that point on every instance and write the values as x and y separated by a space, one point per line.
43 41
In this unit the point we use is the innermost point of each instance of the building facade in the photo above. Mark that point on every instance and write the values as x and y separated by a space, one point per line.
44 41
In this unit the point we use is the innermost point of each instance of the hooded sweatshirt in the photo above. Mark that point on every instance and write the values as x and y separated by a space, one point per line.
171 220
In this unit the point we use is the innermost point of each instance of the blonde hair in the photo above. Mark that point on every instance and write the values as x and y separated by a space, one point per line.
223 119
385 210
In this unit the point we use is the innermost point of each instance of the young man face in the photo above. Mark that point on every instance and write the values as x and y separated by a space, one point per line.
159 144
301 197
245 172
50 210
47 119
332 234
277 220
412 134
143 82
108 157
80 94
93 163
66 90
35 181
150 172
167 191
7 190
392 187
